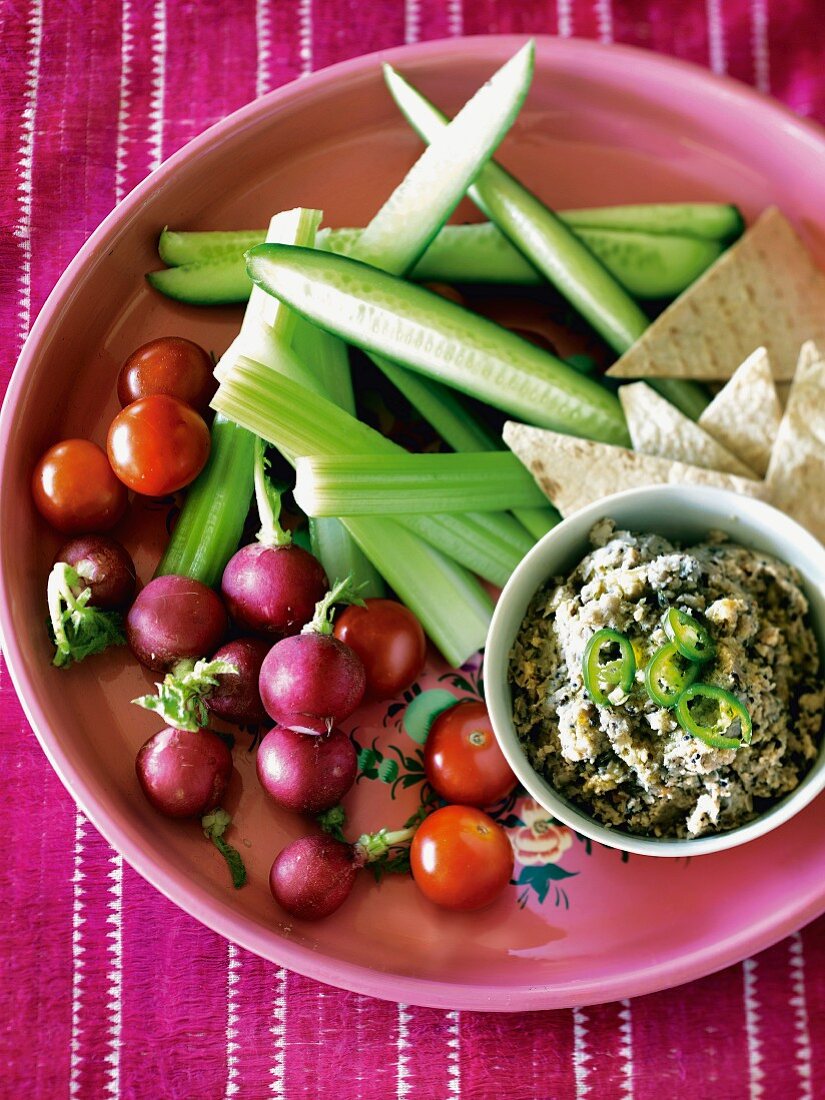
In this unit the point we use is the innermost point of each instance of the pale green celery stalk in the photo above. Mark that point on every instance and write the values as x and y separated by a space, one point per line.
451 604
326 358
415 211
453 607
319 362
299 423
364 485
546 241
211 523
268 325
459 429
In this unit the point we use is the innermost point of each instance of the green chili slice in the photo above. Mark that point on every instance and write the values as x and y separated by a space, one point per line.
608 662
713 714
690 637
668 675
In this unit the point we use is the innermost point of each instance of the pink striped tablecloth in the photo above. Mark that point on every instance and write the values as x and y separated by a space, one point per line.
107 989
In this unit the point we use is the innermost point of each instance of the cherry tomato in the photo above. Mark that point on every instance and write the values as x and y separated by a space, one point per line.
462 757
461 858
157 445
390 642
170 365
75 489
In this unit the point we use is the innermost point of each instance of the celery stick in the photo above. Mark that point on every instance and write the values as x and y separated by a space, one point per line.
341 556
440 407
300 423
453 607
211 523
363 485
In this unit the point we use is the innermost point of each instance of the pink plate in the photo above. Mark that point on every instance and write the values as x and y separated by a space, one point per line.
601 126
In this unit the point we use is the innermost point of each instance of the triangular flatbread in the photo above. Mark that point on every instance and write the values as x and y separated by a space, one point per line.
796 474
574 472
659 428
744 416
765 289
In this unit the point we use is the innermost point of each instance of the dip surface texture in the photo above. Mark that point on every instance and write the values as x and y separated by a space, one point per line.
631 766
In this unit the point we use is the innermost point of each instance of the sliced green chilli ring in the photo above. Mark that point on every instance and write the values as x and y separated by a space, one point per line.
690 637
727 709
668 674
619 670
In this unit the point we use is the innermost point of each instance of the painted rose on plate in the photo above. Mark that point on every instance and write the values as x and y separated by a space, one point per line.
539 840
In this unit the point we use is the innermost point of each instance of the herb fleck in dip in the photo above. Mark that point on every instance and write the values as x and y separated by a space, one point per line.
630 764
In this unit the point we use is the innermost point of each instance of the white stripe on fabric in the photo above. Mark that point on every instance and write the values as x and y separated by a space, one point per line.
581 1055
25 161
455 18
114 992
305 36
454 1054
233 976
716 36
755 1072
158 92
127 42
564 16
402 1073
412 21
801 1022
277 1072
263 39
626 1051
78 920
760 46
604 20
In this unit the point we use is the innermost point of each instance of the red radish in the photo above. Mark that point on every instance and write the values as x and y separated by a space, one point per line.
236 697
312 677
184 773
272 585
305 773
314 875
104 566
174 619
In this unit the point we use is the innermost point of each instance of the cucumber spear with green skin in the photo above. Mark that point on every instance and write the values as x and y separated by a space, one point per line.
550 245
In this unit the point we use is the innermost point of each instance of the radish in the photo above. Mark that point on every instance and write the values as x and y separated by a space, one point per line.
174 619
313 678
272 585
306 773
184 773
313 876
104 566
236 698
184 770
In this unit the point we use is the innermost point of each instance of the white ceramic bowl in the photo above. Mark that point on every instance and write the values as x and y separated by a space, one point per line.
685 514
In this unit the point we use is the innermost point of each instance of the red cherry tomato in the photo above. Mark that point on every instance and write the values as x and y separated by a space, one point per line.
461 858
170 365
462 757
390 642
75 489
157 445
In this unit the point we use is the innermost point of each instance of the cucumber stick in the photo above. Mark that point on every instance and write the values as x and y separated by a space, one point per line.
547 242
536 231
648 265
418 329
416 210
708 221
